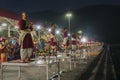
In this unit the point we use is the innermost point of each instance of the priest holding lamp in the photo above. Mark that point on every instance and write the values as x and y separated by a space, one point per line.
25 38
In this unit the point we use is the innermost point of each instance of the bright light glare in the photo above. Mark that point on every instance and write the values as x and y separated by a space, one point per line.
57 32
84 40
49 30
68 14
69 34
4 24
39 27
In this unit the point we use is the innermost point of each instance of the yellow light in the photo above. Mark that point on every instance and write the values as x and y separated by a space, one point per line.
69 15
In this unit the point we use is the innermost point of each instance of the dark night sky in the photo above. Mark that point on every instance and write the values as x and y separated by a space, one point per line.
98 21
39 5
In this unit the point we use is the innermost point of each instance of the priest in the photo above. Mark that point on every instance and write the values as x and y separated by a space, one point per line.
25 38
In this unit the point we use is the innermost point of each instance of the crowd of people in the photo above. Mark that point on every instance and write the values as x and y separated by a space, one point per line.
28 44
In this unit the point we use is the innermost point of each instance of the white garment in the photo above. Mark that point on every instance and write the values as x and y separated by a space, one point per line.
24 53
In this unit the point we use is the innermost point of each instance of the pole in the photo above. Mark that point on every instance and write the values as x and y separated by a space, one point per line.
69 24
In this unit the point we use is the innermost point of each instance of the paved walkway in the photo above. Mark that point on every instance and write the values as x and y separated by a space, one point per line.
75 73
